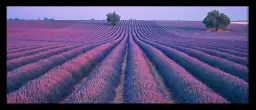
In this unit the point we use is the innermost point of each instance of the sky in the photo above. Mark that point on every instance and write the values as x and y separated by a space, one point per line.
186 13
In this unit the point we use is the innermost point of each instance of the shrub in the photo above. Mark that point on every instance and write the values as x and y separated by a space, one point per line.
113 18
216 20
17 19
47 19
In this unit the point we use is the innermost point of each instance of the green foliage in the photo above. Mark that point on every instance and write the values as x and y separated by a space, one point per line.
16 19
47 19
113 18
216 20
10 19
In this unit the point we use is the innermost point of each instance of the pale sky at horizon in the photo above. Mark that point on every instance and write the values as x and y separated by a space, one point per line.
188 13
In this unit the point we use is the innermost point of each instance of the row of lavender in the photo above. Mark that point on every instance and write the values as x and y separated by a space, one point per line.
237 49
160 32
77 73
22 59
227 78
23 82
66 35
107 36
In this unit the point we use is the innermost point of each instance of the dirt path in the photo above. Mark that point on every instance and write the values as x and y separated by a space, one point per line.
119 90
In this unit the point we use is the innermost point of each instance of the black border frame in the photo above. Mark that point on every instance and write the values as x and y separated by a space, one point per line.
130 3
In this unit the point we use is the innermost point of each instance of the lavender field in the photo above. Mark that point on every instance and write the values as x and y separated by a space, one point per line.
137 61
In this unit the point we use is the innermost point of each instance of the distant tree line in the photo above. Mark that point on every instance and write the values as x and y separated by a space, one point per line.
16 19
48 19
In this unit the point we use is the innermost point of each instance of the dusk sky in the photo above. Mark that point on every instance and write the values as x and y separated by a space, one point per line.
140 13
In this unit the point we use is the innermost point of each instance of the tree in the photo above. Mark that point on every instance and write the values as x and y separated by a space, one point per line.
113 18
47 19
216 20
17 19
92 19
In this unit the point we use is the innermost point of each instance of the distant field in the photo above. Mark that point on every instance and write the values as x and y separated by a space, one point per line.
136 61
239 22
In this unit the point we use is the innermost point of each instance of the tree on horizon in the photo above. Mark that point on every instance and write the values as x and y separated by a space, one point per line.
113 18
216 21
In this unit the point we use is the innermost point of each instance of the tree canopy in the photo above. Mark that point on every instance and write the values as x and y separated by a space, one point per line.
14 19
113 18
47 19
216 20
